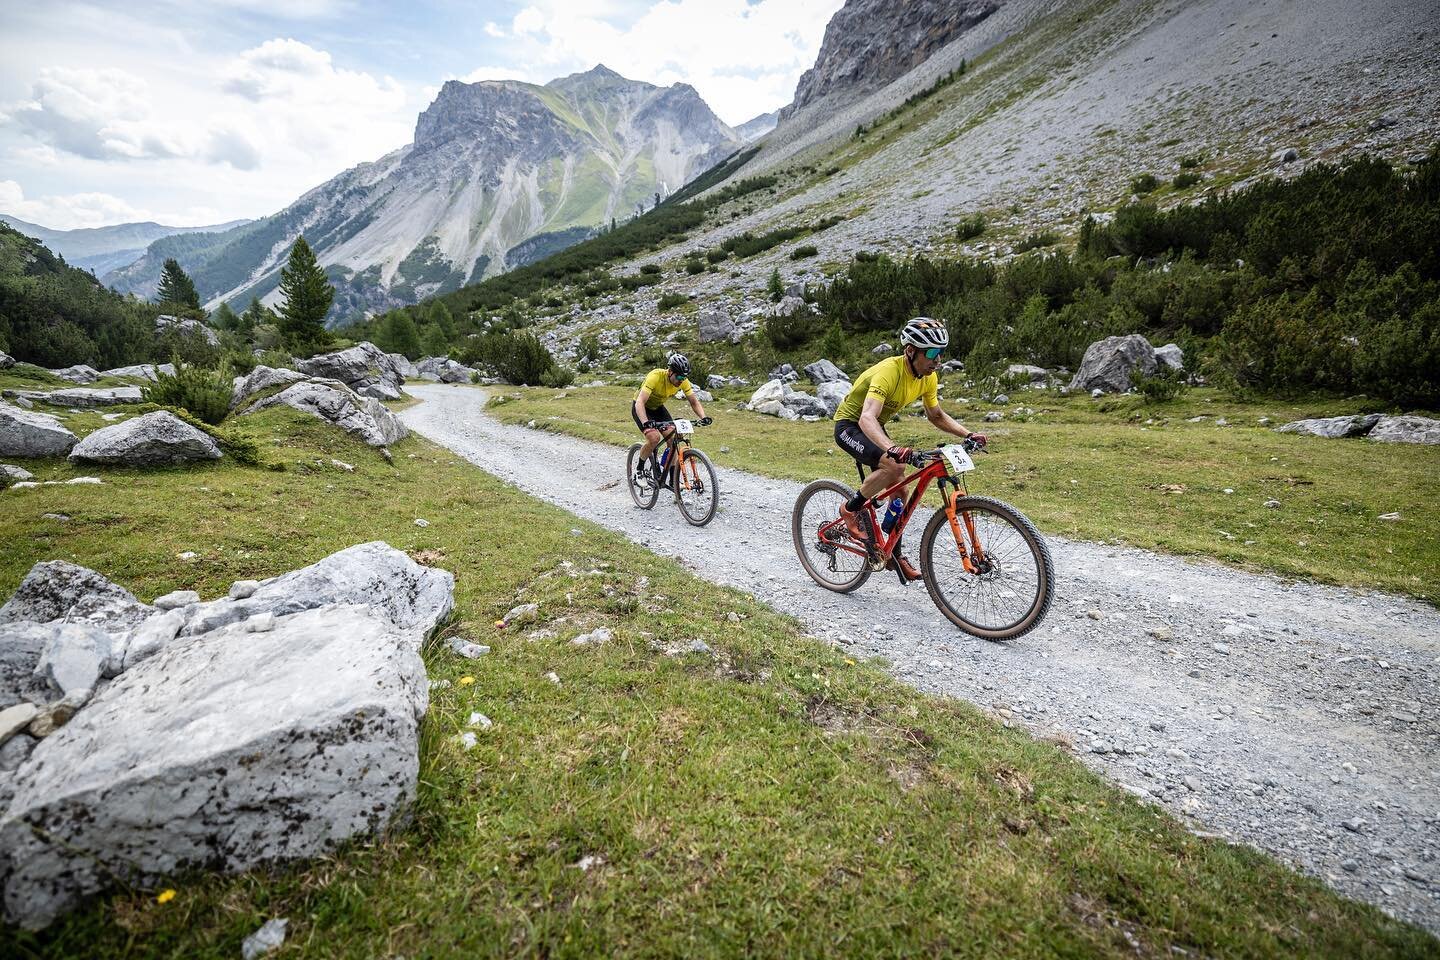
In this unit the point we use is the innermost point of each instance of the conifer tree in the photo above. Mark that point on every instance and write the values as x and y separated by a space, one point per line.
776 286
307 296
255 315
175 287
398 334
224 318
435 342
441 317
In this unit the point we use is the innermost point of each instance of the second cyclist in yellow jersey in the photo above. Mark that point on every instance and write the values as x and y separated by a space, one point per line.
648 409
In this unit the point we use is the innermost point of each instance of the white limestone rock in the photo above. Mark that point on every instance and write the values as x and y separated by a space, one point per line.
224 752
157 439
24 433
1108 363
365 418
57 590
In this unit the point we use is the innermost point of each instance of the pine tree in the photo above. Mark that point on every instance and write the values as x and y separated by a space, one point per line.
440 316
435 342
175 287
776 286
397 334
224 318
307 296
255 315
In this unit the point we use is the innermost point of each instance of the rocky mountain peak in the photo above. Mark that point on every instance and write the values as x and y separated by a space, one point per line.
868 43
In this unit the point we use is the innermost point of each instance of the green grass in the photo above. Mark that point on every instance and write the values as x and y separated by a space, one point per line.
779 800
1106 471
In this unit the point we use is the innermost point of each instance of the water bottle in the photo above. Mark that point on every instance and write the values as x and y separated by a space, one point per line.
665 457
892 514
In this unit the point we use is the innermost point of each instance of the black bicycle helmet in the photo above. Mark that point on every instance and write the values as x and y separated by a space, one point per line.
679 364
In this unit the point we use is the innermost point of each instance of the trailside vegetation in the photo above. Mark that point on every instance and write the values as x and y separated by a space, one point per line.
1330 280
306 298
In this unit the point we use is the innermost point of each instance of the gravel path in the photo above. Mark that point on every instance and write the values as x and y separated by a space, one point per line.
1301 719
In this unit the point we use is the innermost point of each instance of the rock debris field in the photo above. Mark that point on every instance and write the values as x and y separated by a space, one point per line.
1298 718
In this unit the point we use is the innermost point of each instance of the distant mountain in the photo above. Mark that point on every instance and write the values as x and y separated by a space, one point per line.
102 249
500 173
757 127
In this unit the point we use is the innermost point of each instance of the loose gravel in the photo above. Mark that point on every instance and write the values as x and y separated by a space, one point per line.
1298 718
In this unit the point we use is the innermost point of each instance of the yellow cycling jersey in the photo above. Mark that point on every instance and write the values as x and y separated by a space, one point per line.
892 383
657 381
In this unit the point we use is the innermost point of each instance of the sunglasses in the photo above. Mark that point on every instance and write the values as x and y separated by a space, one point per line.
934 353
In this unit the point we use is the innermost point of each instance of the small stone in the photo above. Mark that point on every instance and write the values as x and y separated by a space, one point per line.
1404 716
466 649
1093 614
242 589
480 720
524 613
347 467
1175 753
724 449
553 677
1227 709
1354 824
1159 633
596 636
176 600
421 522
1388 516
1192 784
16 718
1349 866
1157 725
187 555
269 937
468 740
261 622
1221 648
1272 504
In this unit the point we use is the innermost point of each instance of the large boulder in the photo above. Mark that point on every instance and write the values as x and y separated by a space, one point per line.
142 371
58 590
1171 356
443 370
802 405
82 396
832 393
1410 429
403 365
74 656
156 439
364 368
185 326
716 324
1333 427
231 750
79 373
24 433
823 371
365 418
6 361
788 307
260 379
415 597
766 399
1029 371
1108 363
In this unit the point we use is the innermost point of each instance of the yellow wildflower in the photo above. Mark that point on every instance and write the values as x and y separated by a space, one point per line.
165 896
466 681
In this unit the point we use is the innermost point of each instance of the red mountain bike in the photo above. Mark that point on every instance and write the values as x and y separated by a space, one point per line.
985 565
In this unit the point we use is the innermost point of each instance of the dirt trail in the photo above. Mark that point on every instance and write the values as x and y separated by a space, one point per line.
1301 719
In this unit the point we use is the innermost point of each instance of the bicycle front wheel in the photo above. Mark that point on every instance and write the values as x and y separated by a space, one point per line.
697 489
829 553
644 491
998 584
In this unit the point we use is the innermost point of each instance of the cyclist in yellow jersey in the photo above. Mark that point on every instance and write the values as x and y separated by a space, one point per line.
877 395
648 411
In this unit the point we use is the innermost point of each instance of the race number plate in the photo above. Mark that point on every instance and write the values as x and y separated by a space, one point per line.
684 427
959 460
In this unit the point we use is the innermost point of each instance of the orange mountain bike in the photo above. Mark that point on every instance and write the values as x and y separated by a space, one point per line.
683 469
985 565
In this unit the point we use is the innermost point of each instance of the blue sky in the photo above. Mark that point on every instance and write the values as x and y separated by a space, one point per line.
209 110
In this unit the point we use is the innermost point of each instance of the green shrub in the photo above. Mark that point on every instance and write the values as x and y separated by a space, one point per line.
650 268
670 301
1194 160
693 267
1145 183
204 394
717 255
1185 181
588 350
557 376
787 332
1162 386
800 253
514 356
970 228
1037 240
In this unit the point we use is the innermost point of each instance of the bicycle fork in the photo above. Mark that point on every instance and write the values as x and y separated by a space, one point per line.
974 560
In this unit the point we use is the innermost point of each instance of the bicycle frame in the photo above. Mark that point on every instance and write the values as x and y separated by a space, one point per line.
678 447
886 544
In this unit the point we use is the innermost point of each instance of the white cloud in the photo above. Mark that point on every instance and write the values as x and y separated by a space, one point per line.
529 20
70 211
494 29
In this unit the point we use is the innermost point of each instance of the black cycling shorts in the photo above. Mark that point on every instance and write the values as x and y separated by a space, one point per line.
658 413
854 442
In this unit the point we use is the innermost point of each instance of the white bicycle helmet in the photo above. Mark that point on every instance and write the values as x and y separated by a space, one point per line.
925 333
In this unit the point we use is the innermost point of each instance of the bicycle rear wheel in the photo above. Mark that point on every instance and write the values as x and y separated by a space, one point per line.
643 491
830 558
1006 590
697 489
